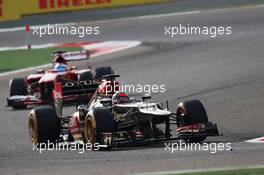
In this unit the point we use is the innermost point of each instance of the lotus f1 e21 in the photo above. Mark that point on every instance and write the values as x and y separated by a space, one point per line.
116 119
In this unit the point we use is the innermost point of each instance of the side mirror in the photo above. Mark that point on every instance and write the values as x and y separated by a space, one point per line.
146 97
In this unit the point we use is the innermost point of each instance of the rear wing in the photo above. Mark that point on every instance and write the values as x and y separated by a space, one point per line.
72 55
79 87
73 91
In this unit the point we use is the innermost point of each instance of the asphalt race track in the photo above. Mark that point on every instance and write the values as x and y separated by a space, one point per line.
225 73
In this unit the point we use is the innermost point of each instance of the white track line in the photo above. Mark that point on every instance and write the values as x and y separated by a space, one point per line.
23 28
200 170
42 46
24 70
168 15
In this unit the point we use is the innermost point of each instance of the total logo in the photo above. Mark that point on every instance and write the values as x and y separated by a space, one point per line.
48 4
1 9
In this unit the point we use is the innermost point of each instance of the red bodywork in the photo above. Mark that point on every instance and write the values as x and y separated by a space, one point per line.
44 86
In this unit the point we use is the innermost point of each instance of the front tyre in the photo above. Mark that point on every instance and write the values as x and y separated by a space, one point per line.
18 86
43 125
97 125
191 116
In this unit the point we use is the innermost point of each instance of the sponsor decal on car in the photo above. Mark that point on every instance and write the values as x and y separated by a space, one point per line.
78 83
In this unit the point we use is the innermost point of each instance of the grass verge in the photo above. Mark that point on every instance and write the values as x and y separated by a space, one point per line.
18 59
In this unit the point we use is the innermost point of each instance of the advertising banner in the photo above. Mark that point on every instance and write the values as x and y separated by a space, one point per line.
13 9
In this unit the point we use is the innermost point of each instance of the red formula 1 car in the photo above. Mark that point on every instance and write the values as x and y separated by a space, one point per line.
38 88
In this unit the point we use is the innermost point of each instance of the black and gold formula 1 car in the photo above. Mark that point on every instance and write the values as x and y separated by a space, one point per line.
115 119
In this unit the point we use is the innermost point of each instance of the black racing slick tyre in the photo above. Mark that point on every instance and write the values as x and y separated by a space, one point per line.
18 86
101 121
189 113
43 125
85 76
101 71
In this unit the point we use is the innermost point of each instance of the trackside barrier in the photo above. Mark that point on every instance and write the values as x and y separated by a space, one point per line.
14 9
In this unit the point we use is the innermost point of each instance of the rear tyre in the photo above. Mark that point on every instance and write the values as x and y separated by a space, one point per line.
101 121
101 71
43 125
18 86
190 113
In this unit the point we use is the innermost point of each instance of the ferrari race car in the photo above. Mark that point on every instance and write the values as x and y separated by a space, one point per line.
38 88
114 119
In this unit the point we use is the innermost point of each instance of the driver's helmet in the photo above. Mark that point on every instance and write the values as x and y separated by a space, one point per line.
60 59
60 67
120 98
